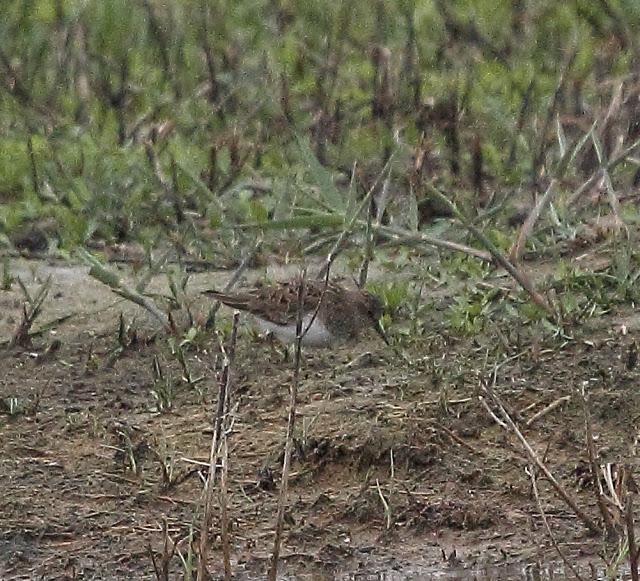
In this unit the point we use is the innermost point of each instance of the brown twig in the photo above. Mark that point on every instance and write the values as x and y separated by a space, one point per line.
224 511
457 439
406 237
534 486
530 222
609 166
524 107
519 276
538 163
224 434
293 397
587 521
631 536
493 416
219 434
161 569
544 411
35 178
593 464
368 247
160 34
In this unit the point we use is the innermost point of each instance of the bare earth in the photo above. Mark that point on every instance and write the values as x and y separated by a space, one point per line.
398 468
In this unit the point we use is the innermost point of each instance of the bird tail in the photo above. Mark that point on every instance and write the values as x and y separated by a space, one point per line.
234 301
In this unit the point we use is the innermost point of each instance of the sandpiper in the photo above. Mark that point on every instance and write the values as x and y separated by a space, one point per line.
342 314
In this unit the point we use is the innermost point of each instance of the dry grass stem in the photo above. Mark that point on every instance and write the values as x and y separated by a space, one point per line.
224 510
527 228
597 175
400 237
161 567
493 416
631 537
534 485
363 272
457 439
219 434
385 504
293 398
587 521
593 464
543 412
499 258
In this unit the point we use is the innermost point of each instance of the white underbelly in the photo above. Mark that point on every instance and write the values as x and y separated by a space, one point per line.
317 335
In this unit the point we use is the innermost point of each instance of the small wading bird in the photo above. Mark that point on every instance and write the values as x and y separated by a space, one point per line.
341 316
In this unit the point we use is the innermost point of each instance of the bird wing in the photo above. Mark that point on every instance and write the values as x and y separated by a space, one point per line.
235 301
274 303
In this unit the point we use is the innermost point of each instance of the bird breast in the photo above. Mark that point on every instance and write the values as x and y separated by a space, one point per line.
317 336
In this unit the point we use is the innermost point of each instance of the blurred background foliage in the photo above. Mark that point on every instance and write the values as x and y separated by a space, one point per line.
196 122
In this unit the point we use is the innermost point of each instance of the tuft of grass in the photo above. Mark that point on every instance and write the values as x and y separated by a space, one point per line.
471 310
164 389
7 277
13 406
394 294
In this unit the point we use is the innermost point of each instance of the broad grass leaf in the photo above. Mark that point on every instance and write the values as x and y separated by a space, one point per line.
321 176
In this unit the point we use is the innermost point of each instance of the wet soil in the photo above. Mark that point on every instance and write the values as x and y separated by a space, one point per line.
399 471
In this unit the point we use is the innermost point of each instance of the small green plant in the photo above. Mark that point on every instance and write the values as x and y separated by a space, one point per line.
624 273
83 421
393 294
127 454
189 560
7 277
165 455
194 337
178 352
471 310
163 390
615 562
127 338
456 266
92 361
13 406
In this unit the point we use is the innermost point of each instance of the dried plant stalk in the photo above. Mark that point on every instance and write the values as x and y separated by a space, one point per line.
597 175
534 486
293 397
219 435
530 222
631 537
519 276
593 464
562 492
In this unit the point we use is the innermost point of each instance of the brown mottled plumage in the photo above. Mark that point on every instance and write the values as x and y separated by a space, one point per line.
342 314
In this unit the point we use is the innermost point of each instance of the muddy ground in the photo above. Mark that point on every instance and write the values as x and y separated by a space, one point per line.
398 467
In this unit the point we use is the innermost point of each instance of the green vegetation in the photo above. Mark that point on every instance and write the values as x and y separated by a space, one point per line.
205 129
477 159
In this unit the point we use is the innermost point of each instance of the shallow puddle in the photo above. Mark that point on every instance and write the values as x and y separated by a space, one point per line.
512 572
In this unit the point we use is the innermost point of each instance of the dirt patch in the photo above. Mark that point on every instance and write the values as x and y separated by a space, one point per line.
397 467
